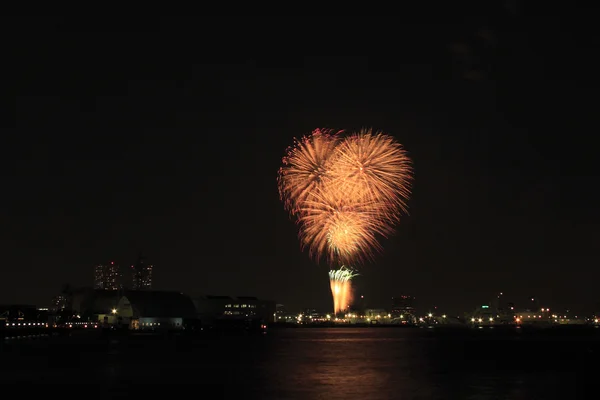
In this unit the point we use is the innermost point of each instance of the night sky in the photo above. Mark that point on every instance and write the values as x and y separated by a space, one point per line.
165 135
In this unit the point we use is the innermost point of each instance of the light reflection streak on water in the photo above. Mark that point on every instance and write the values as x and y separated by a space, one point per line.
328 363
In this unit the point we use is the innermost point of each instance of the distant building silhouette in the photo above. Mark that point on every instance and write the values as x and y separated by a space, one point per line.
107 277
59 303
403 305
135 309
215 309
141 274
153 310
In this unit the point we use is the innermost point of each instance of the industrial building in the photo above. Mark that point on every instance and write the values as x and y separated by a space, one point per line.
154 310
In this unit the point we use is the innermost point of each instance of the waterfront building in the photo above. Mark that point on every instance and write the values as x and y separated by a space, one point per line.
153 310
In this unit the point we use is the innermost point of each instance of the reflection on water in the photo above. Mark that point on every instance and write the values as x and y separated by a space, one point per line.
351 363
328 363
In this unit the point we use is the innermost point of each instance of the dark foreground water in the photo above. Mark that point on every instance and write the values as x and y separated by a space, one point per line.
328 363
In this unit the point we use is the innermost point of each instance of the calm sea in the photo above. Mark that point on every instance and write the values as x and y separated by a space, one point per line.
328 363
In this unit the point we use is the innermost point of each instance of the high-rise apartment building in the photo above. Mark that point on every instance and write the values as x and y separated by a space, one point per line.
141 275
107 276
59 303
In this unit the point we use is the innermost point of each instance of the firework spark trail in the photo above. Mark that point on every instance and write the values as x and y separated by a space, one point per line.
346 193
305 167
341 288
372 166
340 229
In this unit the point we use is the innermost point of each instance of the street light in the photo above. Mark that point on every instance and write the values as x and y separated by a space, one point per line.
114 310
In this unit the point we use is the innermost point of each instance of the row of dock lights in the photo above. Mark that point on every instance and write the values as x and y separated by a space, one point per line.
350 316
19 324
480 319
82 324
45 325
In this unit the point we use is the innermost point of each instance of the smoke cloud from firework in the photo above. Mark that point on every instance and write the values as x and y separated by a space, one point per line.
346 191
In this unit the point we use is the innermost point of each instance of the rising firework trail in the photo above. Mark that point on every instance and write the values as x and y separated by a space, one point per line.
346 193
341 288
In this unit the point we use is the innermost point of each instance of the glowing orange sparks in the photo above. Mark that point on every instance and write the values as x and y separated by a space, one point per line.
341 288
346 193
305 167
372 166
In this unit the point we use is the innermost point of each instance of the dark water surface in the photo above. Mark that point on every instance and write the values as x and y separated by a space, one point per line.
328 363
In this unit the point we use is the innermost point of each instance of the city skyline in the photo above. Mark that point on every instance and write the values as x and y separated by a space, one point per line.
111 276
